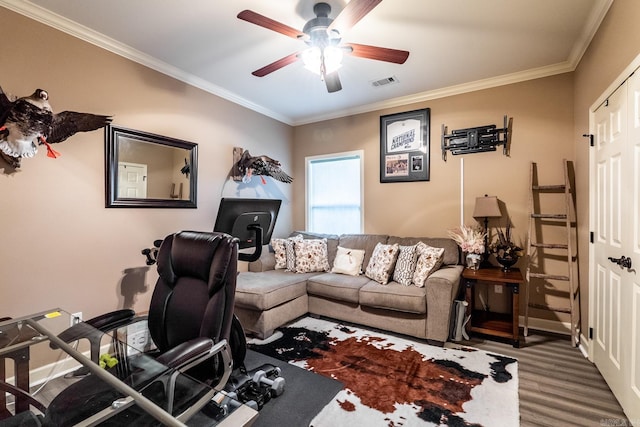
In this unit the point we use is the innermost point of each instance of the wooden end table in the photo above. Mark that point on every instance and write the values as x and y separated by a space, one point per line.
503 325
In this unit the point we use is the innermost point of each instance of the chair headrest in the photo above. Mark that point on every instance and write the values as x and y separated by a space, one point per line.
191 253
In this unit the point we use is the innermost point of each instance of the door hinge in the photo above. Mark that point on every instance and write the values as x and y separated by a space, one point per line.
591 237
590 333
590 136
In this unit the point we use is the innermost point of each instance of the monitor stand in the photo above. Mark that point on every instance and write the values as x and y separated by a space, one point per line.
258 245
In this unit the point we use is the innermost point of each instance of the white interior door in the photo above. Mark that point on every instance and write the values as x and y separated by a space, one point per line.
132 180
616 290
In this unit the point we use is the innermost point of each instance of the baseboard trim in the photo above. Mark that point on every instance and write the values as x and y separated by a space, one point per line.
554 326
585 346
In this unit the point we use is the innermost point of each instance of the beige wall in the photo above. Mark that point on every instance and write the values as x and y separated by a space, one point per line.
550 116
542 132
613 48
59 246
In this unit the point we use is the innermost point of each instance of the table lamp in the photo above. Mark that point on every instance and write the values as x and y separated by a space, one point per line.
486 207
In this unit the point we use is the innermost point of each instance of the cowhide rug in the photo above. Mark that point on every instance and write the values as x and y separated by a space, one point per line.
392 382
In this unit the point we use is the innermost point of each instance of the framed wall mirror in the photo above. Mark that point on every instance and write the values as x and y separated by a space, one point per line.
148 170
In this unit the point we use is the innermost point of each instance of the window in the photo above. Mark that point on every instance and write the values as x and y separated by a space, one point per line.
334 193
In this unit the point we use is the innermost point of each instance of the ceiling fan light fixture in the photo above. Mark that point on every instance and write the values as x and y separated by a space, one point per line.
314 57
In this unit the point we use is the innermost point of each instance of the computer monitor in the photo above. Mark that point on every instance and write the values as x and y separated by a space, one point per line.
250 220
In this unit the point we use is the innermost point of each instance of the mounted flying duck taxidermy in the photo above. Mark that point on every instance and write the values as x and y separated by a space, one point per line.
29 122
247 165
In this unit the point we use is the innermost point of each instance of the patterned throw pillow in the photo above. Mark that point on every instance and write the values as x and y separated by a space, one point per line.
405 265
429 260
278 246
291 252
285 255
348 261
311 255
381 262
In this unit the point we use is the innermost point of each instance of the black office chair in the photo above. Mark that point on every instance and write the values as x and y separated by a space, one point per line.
190 319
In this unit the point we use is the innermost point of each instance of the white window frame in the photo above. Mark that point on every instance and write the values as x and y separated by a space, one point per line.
307 162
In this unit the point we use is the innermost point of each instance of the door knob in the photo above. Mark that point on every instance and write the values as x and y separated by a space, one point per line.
623 261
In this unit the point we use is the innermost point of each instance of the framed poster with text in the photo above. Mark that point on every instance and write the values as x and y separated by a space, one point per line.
404 146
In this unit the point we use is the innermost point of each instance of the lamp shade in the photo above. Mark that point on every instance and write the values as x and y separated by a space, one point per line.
487 207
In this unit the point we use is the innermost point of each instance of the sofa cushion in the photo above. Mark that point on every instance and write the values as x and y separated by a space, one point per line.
405 265
337 286
394 296
381 263
268 289
362 241
348 261
451 249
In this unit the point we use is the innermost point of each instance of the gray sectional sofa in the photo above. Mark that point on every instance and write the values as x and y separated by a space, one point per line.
267 298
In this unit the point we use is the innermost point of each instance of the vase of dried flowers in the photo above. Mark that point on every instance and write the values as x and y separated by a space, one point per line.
471 241
506 252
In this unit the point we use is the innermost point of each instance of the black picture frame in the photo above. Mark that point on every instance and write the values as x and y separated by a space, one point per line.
118 137
405 146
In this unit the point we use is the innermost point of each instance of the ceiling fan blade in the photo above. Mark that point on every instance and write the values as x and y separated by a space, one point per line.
378 53
353 12
270 24
332 81
275 66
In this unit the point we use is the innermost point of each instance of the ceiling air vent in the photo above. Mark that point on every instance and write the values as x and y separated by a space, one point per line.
384 82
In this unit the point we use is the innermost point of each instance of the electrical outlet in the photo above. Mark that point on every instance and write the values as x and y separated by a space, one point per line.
75 318
497 289
137 337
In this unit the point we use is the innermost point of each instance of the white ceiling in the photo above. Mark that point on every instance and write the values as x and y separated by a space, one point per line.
456 46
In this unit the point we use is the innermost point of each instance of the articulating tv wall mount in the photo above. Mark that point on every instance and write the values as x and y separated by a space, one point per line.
477 140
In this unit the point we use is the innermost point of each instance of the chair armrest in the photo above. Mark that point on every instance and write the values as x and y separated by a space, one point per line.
94 328
104 323
113 320
191 353
186 352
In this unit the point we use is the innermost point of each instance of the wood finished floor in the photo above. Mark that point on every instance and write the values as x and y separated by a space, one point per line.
558 386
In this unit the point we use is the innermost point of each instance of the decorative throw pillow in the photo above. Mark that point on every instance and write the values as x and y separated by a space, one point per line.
429 260
381 262
405 265
284 252
348 261
311 255
278 246
291 252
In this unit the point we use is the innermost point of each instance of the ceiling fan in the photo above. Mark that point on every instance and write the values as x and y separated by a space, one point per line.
323 36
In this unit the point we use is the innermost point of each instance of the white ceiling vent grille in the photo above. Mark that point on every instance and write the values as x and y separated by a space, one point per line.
384 82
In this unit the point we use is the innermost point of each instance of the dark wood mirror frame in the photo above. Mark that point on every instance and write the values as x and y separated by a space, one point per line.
114 136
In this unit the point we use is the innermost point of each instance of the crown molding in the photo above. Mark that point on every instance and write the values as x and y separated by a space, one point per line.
507 79
589 31
88 35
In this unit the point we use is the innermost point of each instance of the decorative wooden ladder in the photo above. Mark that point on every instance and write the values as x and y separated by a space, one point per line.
536 276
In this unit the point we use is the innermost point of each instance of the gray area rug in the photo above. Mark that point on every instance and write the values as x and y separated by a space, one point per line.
305 394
